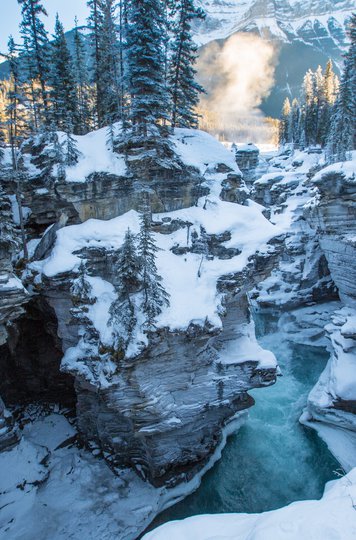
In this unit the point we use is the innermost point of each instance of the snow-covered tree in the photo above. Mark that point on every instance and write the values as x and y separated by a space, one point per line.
342 138
122 312
128 265
155 297
84 120
81 290
2 142
63 90
71 152
150 103
16 112
36 53
183 86
8 232
285 123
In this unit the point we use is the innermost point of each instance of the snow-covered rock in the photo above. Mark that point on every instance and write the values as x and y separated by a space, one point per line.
332 517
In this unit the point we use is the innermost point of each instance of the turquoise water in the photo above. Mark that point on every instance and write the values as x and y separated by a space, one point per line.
273 460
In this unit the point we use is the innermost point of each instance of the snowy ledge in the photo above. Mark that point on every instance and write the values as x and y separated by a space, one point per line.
332 517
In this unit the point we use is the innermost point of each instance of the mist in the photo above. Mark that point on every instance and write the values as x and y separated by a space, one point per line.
237 75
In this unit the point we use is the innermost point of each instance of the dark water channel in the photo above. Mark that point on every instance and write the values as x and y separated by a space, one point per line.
273 460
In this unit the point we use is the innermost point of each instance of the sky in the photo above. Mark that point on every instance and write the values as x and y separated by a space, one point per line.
67 9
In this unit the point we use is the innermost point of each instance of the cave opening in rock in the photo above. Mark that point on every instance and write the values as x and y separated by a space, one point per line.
30 361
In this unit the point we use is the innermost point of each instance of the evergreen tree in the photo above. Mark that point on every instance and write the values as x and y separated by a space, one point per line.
81 291
107 60
342 138
63 91
36 51
128 266
2 142
184 89
71 152
8 232
84 113
154 295
295 123
123 321
122 311
150 104
310 108
16 107
285 123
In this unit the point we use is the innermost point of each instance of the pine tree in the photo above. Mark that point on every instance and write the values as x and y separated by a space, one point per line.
184 88
285 123
83 91
122 311
81 291
2 142
107 63
123 321
71 152
295 122
310 108
63 91
150 104
8 232
16 112
128 265
36 52
155 296
342 138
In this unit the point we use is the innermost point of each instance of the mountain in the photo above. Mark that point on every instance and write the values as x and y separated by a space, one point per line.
305 34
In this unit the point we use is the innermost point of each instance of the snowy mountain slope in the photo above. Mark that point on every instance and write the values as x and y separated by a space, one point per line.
304 35
311 21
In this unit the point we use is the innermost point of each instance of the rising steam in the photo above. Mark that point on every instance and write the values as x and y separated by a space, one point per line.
237 76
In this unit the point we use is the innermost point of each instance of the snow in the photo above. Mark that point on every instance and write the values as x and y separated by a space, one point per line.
347 168
333 517
53 490
249 229
199 149
95 156
190 280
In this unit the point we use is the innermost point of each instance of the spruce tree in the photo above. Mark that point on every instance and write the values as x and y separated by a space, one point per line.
183 86
16 108
8 232
71 152
36 50
342 138
81 291
63 91
285 123
122 311
155 296
2 142
107 60
128 266
83 91
150 103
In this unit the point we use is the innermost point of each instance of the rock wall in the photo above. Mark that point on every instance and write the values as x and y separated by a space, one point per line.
163 412
333 217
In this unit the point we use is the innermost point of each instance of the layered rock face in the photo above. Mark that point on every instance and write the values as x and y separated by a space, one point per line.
332 401
164 411
104 196
333 217
302 275
163 408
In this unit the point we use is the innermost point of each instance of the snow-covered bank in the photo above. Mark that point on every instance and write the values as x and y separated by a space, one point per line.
331 518
53 490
